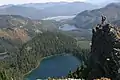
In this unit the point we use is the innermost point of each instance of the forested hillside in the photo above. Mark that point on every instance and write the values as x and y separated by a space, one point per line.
32 52
15 30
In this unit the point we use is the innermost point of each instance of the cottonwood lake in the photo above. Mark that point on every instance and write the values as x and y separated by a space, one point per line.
55 66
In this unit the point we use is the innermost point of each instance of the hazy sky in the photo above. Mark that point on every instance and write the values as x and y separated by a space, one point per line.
42 1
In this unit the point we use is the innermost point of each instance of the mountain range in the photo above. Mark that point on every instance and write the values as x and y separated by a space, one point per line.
44 10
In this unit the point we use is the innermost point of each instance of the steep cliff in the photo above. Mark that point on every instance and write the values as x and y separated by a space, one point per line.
104 58
105 53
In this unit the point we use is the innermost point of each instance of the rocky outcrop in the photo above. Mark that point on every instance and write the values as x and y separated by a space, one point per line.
15 34
104 58
105 53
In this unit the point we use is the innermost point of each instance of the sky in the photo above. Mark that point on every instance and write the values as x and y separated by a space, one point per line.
4 2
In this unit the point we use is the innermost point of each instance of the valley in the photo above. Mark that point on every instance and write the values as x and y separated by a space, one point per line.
33 38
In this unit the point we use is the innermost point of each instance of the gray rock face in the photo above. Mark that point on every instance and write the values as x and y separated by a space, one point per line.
105 53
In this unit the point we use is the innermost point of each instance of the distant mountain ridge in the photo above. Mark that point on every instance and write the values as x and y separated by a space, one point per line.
89 18
21 10
53 4
44 10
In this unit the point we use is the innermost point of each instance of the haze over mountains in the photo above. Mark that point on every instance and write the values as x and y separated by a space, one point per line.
78 27
89 18
44 10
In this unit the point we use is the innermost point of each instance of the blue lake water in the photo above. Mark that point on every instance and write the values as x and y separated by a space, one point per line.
55 66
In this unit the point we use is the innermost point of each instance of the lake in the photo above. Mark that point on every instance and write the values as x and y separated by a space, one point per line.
59 18
55 66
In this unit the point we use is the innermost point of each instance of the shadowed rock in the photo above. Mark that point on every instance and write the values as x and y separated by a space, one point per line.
104 56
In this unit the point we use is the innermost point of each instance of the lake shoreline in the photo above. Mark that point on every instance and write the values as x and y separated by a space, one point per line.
43 59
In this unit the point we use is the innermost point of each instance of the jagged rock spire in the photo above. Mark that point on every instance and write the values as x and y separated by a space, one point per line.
104 58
